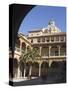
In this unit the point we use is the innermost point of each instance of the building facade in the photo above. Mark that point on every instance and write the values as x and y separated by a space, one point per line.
51 45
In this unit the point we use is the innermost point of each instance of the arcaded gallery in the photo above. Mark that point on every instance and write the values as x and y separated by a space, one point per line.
50 43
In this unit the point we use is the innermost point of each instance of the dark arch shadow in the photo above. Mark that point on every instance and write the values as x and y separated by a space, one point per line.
17 13
55 64
35 69
44 70
13 64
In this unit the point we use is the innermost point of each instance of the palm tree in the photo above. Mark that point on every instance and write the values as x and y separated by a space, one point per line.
24 58
33 56
29 55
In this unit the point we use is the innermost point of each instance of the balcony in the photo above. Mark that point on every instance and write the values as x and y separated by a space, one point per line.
54 54
49 40
17 51
53 57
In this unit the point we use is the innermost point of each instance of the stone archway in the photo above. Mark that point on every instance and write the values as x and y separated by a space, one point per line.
23 46
44 68
58 69
54 68
29 68
28 48
59 65
55 64
35 69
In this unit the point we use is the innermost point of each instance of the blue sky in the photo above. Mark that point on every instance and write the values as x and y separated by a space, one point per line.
39 17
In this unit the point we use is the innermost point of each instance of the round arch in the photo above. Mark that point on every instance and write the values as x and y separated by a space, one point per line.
28 48
44 68
28 64
55 64
35 69
23 46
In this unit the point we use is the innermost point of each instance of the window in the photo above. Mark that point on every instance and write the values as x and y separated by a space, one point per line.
31 34
37 34
62 38
44 51
47 39
38 40
43 39
31 40
57 38
56 53
63 50
52 39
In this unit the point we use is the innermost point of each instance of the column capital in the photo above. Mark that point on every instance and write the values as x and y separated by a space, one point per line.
40 64
40 46
50 62
20 40
58 45
49 46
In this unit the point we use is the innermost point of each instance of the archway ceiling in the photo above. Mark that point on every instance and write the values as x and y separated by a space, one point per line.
18 11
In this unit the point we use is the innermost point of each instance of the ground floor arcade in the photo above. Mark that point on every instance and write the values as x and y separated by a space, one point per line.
34 69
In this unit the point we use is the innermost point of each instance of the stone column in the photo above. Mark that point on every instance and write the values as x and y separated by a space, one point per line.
40 50
45 39
24 72
59 38
50 62
49 50
39 70
59 50
54 39
18 72
50 39
15 74
30 70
